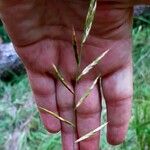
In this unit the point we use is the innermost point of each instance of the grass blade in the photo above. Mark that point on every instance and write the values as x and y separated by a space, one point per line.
89 20
60 77
87 93
75 48
90 133
57 116
92 65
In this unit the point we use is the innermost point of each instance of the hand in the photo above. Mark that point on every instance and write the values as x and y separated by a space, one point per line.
41 31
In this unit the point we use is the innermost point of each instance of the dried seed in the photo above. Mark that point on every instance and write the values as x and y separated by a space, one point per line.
90 133
57 116
75 48
87 93
89 20
91 65
60 77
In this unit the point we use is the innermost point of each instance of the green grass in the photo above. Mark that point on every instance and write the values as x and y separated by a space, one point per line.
21 127
3 34
19 119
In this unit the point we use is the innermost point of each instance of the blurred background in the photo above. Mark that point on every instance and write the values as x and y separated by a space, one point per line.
20 125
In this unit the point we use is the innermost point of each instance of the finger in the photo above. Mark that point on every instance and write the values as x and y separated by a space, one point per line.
88 114
118 89
43 88
65 100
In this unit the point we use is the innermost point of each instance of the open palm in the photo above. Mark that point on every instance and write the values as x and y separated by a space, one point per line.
41 31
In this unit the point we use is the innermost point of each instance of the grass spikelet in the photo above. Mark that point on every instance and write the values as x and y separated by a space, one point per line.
57 116
75 48
87 93
90 133
91 65
89 20
60 77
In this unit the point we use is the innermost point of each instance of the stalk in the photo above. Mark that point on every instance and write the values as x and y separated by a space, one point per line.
79 76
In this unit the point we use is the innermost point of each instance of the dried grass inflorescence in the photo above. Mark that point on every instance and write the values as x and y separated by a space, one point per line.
77 54
57 116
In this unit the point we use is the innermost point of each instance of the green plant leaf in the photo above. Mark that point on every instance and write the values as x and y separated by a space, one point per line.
60 77
87 93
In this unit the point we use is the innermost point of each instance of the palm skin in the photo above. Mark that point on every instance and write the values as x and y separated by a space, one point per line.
41 31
